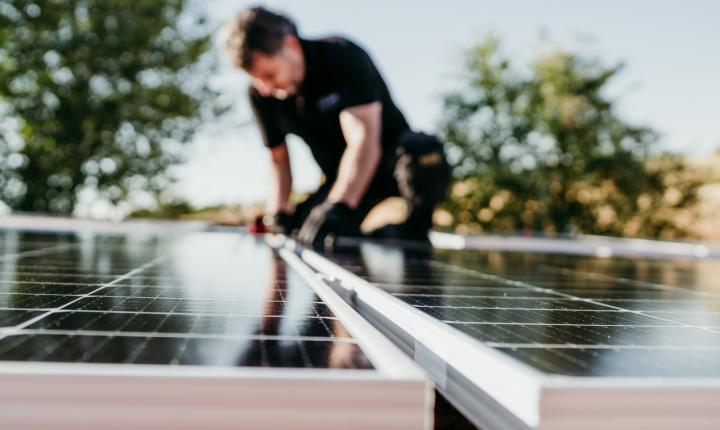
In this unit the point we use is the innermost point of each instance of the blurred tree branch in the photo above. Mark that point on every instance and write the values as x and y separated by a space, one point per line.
545 150
98 95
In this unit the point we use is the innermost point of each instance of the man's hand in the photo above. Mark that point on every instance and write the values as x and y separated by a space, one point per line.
326 220
280 222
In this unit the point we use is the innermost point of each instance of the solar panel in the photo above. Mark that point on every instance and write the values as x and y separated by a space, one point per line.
531 340
215 329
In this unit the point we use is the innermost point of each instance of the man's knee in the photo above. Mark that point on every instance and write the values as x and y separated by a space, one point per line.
422 171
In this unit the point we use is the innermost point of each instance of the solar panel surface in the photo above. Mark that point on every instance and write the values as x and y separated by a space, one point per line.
174 327
560 314
201 299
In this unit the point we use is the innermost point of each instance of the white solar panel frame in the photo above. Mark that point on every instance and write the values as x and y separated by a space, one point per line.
597 246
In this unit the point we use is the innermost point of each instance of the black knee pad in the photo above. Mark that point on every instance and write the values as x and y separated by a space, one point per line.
422 171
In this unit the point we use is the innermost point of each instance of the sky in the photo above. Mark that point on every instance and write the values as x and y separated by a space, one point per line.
671 80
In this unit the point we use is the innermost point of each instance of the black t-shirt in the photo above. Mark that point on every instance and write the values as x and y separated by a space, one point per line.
339 74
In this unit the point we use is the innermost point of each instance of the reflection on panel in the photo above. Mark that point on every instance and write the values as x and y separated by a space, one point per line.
562 314
198 299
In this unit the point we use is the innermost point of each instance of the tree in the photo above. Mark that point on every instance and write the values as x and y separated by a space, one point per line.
545 150
95 95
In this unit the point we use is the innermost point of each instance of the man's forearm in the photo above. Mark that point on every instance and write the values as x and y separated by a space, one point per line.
281 180
281 196
357 168
361 128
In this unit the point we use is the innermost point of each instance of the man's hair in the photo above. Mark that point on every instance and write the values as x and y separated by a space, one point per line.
253 30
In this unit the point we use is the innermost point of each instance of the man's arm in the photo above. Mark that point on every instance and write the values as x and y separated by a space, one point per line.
361 126
281 179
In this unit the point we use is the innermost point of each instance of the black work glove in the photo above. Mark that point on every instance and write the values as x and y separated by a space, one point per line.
281 222
328 220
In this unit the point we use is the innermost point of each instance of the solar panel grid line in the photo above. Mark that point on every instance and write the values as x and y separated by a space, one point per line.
652 307
523 324
541 308
546 296
199 300
70 264
7 316
601 346
188 335
463 296
63 259
22 266
702 317
574 286
654 316
94 276
323 321
33 301
157 329
559 293
36 294
490 308
65 273
424 303
37 252
182 348
633 281
642 300
578 335
135 353
47 283
157 325
133 283
134 348
128 274
685 311
588 335
601 294
540 317
164 289
255 315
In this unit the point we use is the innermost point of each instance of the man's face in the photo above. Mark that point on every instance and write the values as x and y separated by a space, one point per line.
279 75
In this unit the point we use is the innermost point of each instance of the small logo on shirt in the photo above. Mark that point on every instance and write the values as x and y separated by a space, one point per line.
328 102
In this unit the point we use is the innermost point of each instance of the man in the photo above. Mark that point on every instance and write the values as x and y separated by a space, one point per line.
329 93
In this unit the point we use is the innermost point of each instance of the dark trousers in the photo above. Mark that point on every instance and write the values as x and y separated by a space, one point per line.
414 168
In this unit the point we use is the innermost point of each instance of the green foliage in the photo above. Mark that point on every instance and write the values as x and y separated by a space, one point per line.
94 95
171 210
545 150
